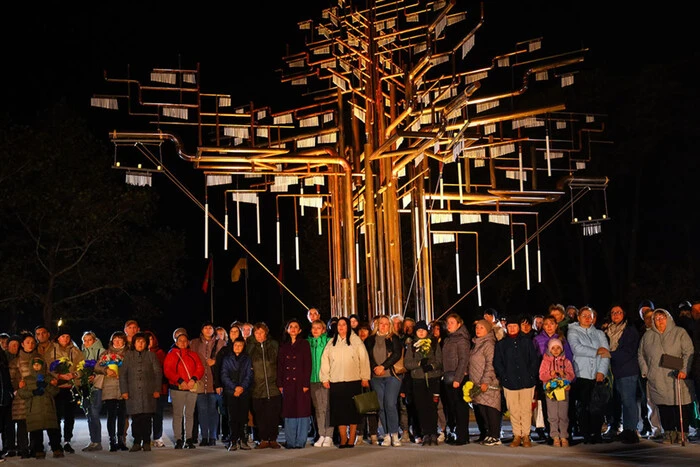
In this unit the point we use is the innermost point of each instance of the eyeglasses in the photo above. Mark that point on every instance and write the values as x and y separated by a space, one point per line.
617 312
659 318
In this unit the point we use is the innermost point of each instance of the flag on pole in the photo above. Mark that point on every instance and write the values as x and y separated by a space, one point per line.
236 271
208 276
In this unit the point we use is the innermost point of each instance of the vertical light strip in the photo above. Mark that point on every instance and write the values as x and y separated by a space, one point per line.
301 191
442 194
278 241
296 249
539 265
459 182
357 261
257 215
226 232
417 230
520 167
206 230
238 218
478 288
512 253
527 267
459 289
320 224
549 162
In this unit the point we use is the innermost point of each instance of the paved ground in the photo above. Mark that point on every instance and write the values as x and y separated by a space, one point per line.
646 453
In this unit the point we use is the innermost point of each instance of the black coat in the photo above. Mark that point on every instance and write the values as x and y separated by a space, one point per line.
516 362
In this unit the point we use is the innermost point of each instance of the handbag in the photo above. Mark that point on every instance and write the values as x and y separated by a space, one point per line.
538 415
399 367
183 386
366 402
671 362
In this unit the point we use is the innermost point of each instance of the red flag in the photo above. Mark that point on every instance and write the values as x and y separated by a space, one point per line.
208 276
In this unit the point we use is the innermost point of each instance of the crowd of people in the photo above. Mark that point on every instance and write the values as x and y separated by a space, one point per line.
557 376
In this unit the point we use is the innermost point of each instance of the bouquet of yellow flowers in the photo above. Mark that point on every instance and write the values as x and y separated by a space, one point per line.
423 346
61 366
555 388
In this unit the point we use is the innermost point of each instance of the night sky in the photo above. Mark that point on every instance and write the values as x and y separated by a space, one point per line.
60 50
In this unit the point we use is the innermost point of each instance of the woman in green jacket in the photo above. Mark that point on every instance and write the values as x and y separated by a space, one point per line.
319 394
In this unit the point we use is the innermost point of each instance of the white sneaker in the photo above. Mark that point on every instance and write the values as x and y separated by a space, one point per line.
387 440
395 441
158 443
328 442
320 441
358 440
441 437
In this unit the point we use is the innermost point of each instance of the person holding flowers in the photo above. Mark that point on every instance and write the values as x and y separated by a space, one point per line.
91 393
485 388
108 365
63 357
423 358
556 374
20 368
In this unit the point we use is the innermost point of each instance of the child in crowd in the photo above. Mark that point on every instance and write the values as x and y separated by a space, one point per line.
39 392
556 373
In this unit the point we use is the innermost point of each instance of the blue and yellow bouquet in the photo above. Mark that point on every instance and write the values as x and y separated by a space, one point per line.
82 389
112 361
555 388
61 366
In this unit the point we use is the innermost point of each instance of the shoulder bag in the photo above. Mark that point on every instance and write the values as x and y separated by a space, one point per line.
195 388
366 402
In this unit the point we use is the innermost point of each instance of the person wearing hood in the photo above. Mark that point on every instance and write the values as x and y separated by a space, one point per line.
516 363
162 401
665 337
92 348
487 404
455 365
591 364
555 365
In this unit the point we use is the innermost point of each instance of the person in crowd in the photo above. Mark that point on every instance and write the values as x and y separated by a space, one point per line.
162 401
455 365
332 326
108 366
43 339
684 316
437 330
4 337
572 313
6 395
397 323
140 381
20 368
294 382
665 337
556 366
313 315
234 332
319 394
183 368
487 403
591 364
247 329
344 371
558 311
39 390
516 364
221 334
266 396
526 326
423 358
369 423
492 316
13 346
354 322
131 327
695 369
651 420
624 343
237 379
408 417
537 322
64 347
550 330
92 348
207 346
385 349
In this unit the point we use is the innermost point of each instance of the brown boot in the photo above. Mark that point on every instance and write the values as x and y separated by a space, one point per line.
565 442
556 442
517 440
526 442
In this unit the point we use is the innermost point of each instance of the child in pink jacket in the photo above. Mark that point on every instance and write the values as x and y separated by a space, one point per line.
557 372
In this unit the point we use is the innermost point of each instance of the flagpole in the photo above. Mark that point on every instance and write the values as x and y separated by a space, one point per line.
247 319
211 292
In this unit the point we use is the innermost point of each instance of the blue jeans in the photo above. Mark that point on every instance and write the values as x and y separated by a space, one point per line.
296 430
626 388
207 415
93 419
387 390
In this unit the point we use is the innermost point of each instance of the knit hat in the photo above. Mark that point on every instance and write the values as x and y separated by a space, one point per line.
492 312
513 319
486 324
178 332
421 325
552 342
646 303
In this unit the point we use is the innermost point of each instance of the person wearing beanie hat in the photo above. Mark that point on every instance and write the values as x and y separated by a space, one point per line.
13 345
516 363
485 323
421 325
556 365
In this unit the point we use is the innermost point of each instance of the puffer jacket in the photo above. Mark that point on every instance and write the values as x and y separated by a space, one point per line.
181 365
41 409
585 343
109 384
455 355
412 358
481 370
662 381
263 356
560 364
20 368
71 351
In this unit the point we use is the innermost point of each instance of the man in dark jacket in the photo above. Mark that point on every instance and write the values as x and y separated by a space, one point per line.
517 364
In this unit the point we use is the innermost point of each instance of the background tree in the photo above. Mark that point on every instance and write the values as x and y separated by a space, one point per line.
75 241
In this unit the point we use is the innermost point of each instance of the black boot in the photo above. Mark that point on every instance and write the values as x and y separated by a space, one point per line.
113 446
